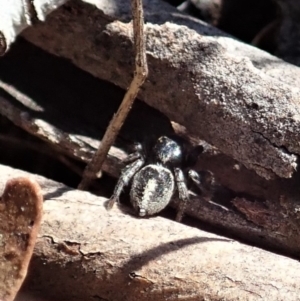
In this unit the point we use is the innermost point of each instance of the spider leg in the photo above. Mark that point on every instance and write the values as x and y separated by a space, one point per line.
206 185
127 173
132 157
137 154
182 191
206 191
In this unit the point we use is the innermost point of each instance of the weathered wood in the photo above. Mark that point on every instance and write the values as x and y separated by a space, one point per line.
85 252
21 207
196 79
255 212
78 147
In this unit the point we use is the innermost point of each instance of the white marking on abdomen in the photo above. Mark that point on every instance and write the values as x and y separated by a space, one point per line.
148 192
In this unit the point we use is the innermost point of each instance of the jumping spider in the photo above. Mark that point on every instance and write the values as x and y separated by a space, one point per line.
153 185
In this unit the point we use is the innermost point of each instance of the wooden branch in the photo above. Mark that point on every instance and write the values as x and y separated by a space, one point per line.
195 79
85 252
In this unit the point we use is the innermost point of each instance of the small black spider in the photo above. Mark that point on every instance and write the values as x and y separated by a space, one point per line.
154 184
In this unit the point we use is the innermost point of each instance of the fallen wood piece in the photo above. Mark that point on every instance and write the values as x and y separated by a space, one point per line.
194 78
20 215
78 147
258 214
86 252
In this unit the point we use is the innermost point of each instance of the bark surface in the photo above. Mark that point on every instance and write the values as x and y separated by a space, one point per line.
84 252
234 96
21 207
249 207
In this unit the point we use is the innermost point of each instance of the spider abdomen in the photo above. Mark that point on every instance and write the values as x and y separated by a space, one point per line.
152 189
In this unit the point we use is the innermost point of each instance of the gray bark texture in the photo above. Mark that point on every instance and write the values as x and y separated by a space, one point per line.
238 98
54 107
234 96
87 253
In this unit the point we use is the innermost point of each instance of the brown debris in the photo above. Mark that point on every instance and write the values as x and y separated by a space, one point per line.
85 252
72 137
232 92
20 216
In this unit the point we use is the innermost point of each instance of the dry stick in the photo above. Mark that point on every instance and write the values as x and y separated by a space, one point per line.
94 166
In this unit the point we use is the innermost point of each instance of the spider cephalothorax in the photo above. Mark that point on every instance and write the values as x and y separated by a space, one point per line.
154 178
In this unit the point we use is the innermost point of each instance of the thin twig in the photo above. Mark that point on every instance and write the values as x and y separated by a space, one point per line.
141 71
